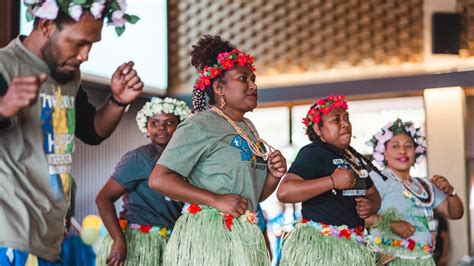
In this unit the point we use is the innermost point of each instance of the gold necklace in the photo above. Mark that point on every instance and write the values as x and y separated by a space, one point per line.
256 149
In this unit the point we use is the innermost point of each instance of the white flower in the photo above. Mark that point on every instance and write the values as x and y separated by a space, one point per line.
378 157
97 8
31 2
157 106
75 11
48 10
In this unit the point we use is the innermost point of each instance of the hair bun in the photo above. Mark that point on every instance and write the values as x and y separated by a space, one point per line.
205 52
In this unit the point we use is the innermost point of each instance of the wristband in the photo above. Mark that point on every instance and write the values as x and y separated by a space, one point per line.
112 99
333 186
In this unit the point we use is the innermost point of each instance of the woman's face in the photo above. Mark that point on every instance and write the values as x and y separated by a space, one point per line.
400 153
161 127
336 128
239 90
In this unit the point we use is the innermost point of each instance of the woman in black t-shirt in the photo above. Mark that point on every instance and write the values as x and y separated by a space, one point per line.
332 181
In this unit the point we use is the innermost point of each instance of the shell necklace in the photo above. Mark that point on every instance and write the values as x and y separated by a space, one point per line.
254 147
424 199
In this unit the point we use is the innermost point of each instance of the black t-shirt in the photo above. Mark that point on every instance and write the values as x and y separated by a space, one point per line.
85 112
315 161
442 227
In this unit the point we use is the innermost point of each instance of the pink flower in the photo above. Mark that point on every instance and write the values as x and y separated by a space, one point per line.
380 147
386 137
48 10
378 157
122 4
75 11
420 149
97 8
117 15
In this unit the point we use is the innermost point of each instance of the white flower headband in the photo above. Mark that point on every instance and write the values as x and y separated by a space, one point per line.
157 106
114 11
377 142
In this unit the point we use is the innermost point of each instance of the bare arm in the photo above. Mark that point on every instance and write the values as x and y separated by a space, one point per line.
125 86
173 185
294 188
109 193
451 208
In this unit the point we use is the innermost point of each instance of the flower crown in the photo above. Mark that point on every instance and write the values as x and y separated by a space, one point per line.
157 106
377 142
225 61
322 107
113 10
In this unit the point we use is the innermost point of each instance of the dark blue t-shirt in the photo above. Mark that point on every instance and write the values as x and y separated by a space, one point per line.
145 206
315 161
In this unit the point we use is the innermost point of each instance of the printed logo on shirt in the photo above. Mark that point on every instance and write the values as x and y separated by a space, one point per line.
246 153
360 187
58 126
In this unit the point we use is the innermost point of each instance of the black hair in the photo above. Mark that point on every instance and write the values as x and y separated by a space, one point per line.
203 54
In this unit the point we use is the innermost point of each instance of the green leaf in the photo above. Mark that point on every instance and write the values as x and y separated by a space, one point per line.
29 16
79 2
119 30
114 6
132 19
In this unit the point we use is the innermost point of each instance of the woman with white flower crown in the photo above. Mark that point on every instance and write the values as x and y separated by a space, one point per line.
140 237
402 229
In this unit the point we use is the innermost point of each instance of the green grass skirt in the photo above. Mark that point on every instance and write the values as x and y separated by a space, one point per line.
415 262
142 249
305 245
203 239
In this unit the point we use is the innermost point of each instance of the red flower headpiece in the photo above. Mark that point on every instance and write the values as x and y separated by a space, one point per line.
322 107
225 61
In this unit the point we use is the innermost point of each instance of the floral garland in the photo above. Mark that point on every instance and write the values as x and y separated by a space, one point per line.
225 61
377 142
113 10
403 243
146 229
343 231
250 217
322 107
157 106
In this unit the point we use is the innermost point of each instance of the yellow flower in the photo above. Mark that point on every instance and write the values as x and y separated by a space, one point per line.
164 232
377 240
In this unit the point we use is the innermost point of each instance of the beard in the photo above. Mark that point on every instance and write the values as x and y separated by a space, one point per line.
50 52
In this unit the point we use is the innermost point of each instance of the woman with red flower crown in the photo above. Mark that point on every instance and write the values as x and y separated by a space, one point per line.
332 181
405 224
225 161
140 237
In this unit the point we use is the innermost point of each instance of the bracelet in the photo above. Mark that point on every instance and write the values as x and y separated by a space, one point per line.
112 99
333 186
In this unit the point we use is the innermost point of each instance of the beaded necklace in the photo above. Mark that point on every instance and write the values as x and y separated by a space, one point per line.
256 149
424 199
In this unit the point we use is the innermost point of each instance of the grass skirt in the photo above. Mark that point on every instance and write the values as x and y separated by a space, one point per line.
142 249
203 238
306 245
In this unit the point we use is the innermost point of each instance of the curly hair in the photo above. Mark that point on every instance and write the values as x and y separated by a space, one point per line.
203 54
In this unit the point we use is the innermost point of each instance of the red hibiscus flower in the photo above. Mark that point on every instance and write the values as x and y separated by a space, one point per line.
304 220
316 118
241 59
222 56
325 110
320 102
215 72
346 233
336 104
194 208
411 244
359 230
330 98
229 221
145 229
305 121
227 63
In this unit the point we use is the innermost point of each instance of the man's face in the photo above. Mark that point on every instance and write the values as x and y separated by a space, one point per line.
67 48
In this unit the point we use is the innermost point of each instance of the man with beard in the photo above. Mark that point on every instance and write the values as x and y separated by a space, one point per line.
42 107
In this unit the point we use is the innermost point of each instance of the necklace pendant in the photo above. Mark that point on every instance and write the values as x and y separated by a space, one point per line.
364 173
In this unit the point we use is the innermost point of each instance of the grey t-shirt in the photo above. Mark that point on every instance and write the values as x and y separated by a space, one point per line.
35 159
207 149
392 196
145 206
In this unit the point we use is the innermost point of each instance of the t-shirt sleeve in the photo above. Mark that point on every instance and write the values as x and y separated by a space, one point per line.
131 170
306 164
187 146
380 184
85 113
439 196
